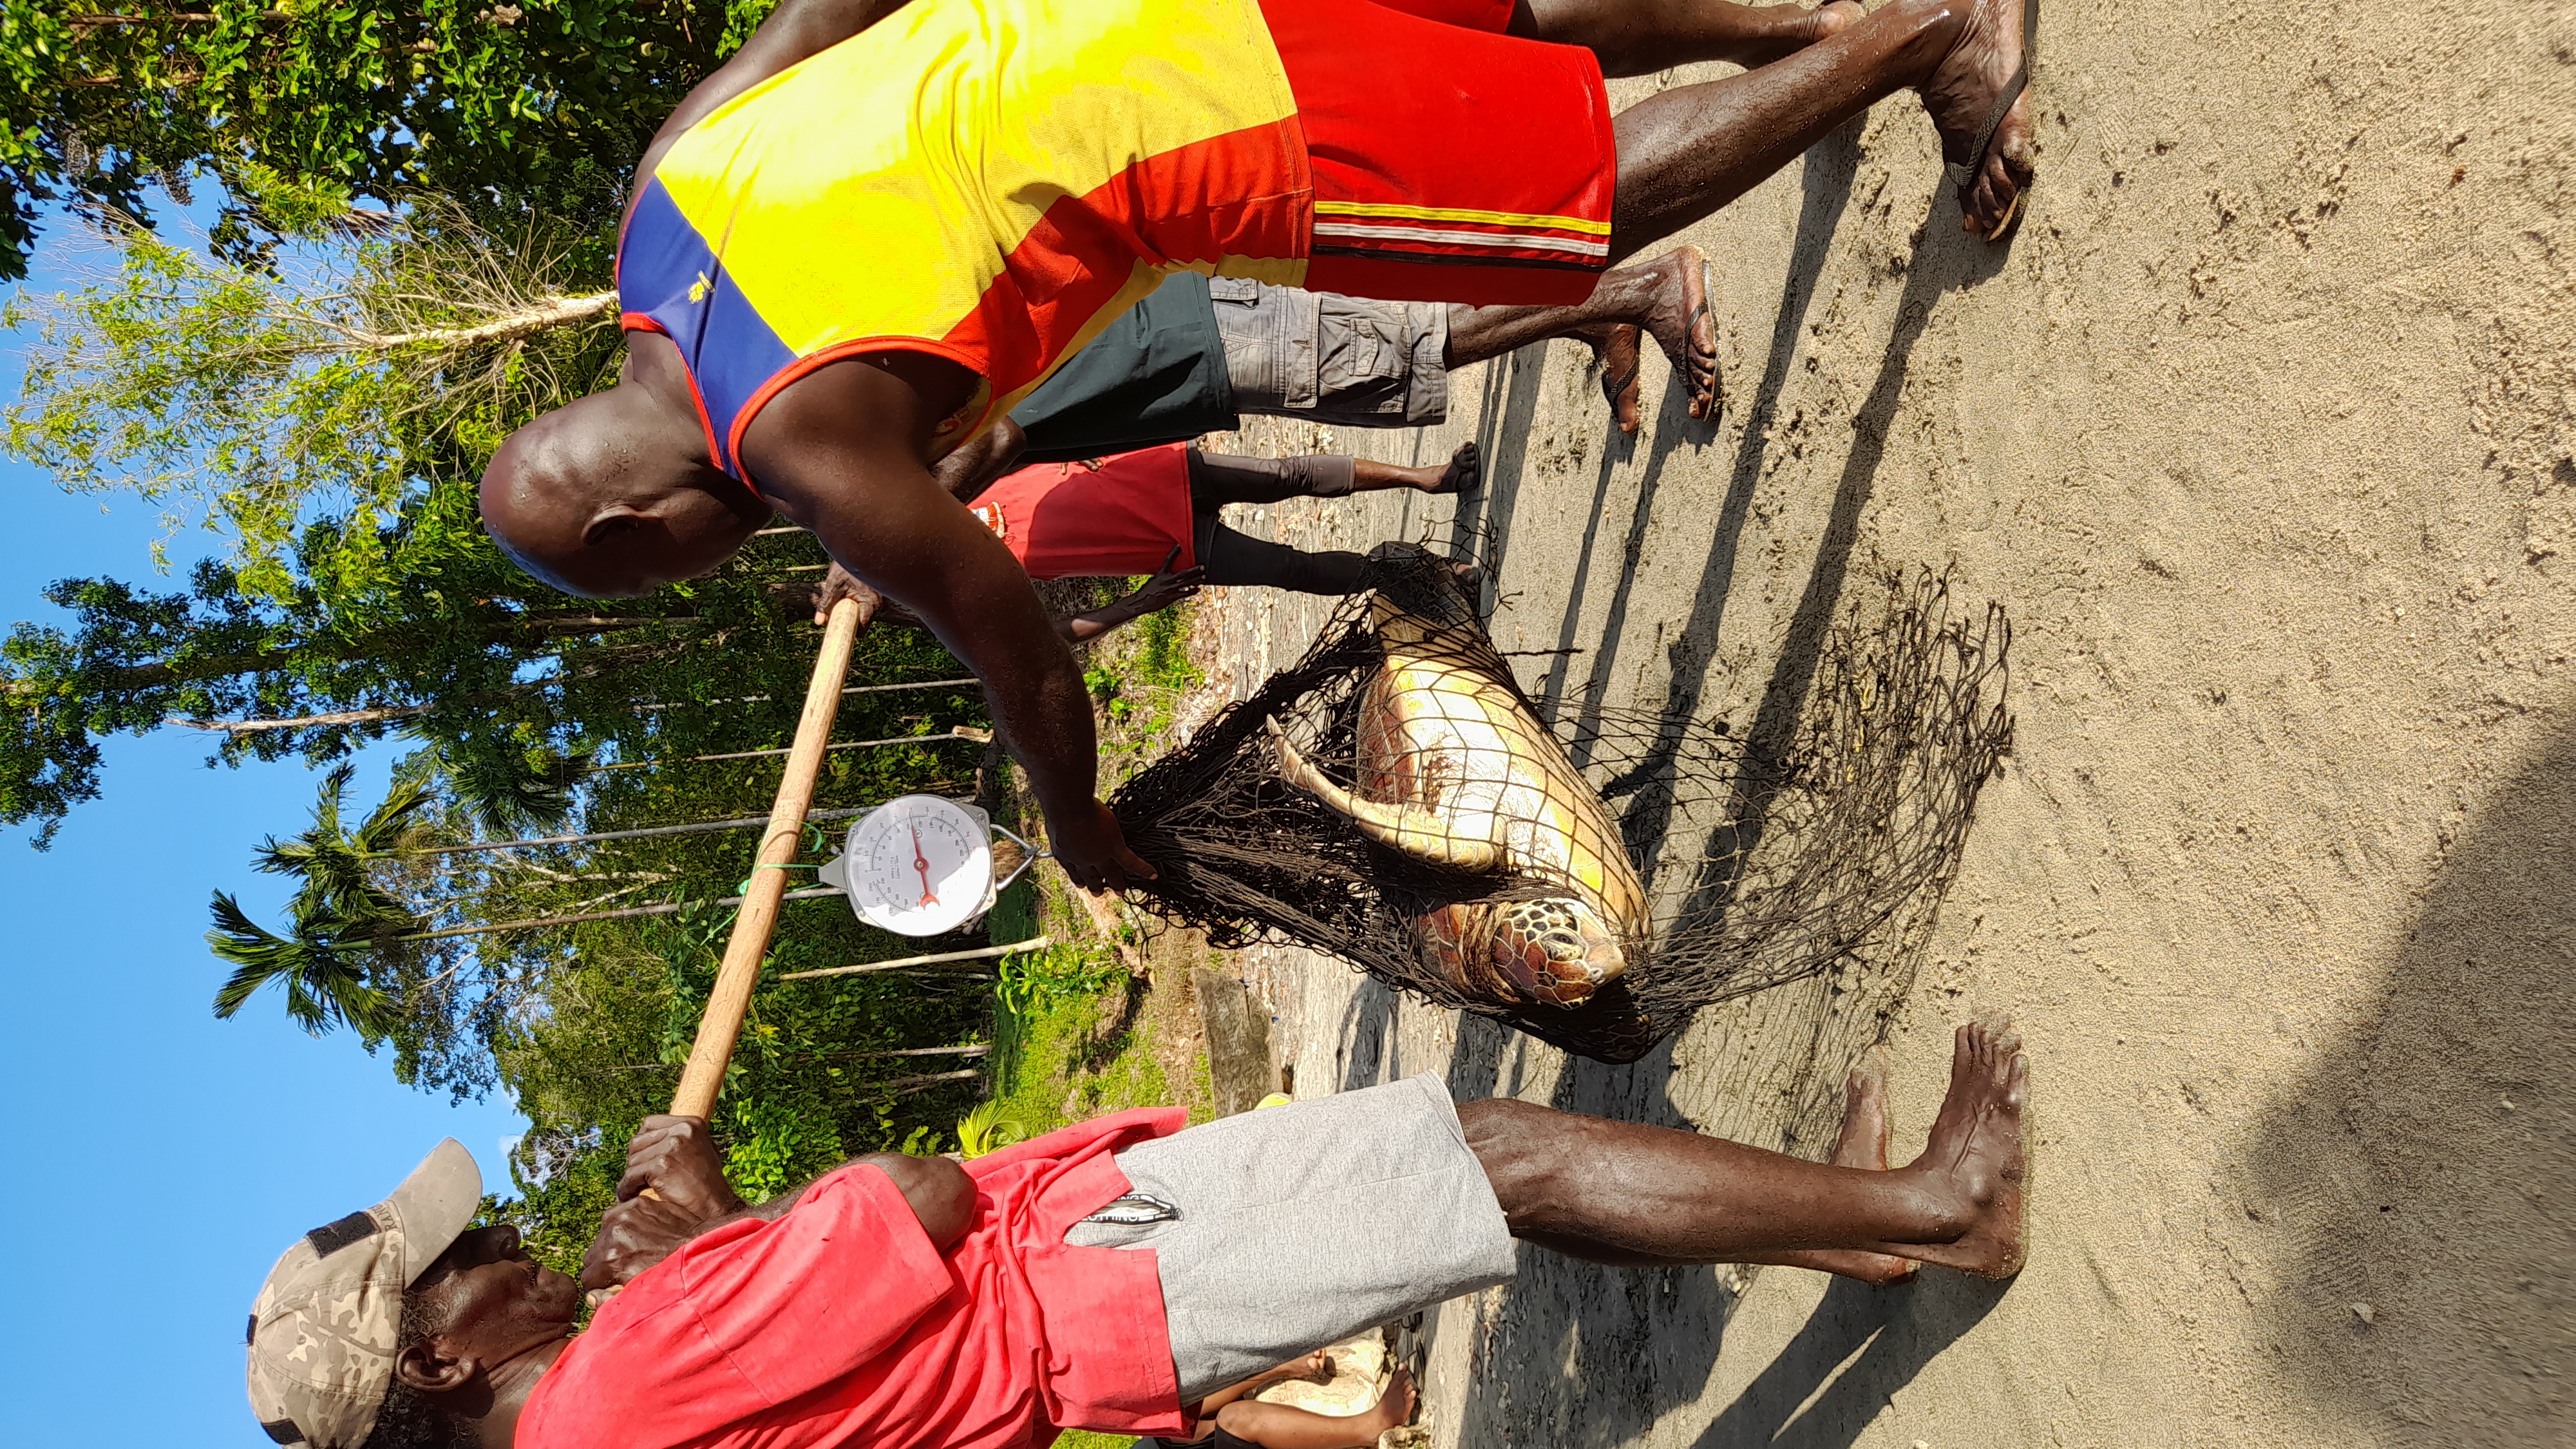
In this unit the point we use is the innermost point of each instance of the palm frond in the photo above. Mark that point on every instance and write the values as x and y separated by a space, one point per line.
386 825
321 967
510 791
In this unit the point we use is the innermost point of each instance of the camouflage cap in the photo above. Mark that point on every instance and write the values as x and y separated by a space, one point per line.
323 1328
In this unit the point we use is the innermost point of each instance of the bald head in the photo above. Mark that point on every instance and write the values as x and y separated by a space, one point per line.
612 497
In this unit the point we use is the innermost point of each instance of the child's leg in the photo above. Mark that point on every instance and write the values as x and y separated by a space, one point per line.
1316 1367
1236 558
1277 1426
1217 479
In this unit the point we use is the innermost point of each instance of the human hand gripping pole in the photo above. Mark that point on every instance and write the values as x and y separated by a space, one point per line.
721 1023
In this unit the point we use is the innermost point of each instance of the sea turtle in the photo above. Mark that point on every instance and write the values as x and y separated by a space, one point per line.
1454 769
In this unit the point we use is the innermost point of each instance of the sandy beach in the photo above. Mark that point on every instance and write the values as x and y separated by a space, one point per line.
2262 429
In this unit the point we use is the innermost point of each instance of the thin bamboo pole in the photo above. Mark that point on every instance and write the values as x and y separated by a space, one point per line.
980 953
961 732
853 689
694 827
730 1001
623 913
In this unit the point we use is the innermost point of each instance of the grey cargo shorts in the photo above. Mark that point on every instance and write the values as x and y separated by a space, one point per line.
1333 359
1285 1230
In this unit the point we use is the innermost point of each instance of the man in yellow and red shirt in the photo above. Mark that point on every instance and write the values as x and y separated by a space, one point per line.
875 228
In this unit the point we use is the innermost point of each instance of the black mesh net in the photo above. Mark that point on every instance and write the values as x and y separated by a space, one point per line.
1395 800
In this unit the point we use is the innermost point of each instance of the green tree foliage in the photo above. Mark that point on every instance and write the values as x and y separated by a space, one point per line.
334 864
811 1082
321 381
530 713
321 964
539 106
349 376
446 640
587 1025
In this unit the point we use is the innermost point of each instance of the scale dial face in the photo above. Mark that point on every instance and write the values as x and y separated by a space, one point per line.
919 865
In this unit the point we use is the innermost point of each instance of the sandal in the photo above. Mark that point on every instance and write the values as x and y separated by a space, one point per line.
1962 176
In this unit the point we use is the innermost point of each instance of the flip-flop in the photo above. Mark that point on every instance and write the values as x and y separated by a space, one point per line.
1960 176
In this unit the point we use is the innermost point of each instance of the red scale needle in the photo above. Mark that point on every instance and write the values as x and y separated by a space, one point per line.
921 863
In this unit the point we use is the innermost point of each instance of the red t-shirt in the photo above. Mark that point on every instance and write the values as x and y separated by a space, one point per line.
1110 517
840 1326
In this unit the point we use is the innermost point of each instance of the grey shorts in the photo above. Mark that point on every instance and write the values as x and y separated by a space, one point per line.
1302 1225
1333 359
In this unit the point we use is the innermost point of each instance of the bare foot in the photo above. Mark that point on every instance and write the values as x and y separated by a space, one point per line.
1864 1140
1975 1153
1681 325
1961 96
1670 301
1465 473
1394 1407
1863 1145
1614 351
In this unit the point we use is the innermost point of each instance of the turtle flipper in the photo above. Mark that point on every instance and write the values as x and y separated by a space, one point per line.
1410 829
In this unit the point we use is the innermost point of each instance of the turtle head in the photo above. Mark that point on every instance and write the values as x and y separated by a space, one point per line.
1556 949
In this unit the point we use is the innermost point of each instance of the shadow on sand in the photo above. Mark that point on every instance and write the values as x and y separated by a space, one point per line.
1572 1355
2423 1172
1895 1332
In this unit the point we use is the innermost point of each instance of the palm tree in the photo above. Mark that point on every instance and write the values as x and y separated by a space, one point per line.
336 865
503 790
322 966
341 915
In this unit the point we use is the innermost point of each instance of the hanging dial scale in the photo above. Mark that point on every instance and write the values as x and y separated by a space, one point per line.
922 865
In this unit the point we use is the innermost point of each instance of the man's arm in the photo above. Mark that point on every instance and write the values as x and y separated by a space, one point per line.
1167 587
963 474
675 1159
938 1191
1160 592
840 451
980 461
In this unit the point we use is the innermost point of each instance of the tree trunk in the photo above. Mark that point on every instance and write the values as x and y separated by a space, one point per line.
904 1085
810 893
553 312
303 721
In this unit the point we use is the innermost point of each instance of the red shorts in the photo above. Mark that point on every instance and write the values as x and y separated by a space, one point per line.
1451 162
1109 518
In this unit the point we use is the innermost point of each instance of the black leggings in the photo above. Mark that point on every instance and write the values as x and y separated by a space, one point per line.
1236 558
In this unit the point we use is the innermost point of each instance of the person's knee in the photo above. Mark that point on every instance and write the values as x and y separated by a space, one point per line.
1522 1148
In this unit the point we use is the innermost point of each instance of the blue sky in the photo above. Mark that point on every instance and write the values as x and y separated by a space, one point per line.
162 1158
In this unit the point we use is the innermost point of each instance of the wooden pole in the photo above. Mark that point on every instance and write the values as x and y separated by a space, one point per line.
731 999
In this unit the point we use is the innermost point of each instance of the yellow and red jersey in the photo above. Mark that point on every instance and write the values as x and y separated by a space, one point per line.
974 179
995 181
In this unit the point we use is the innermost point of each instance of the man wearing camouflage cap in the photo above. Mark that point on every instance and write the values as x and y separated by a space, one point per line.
326 1333
1106 1276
